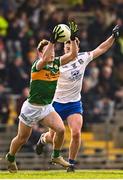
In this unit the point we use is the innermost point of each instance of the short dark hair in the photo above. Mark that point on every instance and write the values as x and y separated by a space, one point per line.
77 41
41 45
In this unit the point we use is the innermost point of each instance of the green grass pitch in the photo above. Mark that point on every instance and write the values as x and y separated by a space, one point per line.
79 174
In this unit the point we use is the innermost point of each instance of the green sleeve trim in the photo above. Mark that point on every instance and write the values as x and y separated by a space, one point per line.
33 69
57 61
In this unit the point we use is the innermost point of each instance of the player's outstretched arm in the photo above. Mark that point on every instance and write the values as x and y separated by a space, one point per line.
56 34
46 56
74 47
102 48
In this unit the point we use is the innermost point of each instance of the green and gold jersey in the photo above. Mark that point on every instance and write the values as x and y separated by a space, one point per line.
43 83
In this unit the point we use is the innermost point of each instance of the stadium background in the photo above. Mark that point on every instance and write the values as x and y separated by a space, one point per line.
22 25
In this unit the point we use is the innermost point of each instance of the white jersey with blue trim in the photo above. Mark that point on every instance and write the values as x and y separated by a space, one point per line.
69 84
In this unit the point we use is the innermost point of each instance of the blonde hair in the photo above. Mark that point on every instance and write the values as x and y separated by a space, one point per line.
41 45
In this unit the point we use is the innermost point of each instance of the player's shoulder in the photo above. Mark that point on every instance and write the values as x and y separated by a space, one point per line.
85 53
81 53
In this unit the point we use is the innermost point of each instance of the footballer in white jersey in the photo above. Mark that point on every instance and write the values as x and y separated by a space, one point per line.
67 95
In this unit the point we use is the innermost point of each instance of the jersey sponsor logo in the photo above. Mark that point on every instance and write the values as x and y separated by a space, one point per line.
80 61
56 66
75 75
53 68
74 65
45 75
52 65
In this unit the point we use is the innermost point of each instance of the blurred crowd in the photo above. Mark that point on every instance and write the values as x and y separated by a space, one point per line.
24 23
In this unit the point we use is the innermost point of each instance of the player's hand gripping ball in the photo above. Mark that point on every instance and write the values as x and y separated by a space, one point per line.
66 33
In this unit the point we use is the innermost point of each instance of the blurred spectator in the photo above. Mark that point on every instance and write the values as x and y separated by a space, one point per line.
30 7
96 29
119 98
109 62
56 18
3 58
88 99
84 43
103 110
3 24
20 101
4 105
93 78
108 82
18 78
31 56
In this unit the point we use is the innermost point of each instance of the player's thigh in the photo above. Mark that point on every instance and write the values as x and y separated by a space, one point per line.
24 131
75 122
53 121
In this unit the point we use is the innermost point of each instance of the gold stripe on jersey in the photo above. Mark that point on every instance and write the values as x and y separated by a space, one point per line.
44 75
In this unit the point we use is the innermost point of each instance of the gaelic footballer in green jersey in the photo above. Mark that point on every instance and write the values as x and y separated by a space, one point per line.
43 82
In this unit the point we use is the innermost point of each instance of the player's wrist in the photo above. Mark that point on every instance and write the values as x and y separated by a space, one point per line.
73 37
53 41
113 36
53 38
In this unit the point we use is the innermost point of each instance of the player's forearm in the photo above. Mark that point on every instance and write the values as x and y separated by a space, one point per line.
40 64
74 49
47 53
66 58
45 57
102 48
106 44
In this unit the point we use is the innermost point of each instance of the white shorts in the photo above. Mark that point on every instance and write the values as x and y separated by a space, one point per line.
31 114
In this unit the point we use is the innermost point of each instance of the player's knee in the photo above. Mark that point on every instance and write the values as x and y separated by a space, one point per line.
61 130
51 136
76 134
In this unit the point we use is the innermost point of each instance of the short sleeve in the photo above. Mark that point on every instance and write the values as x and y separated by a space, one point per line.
33 69
57 61
86 57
